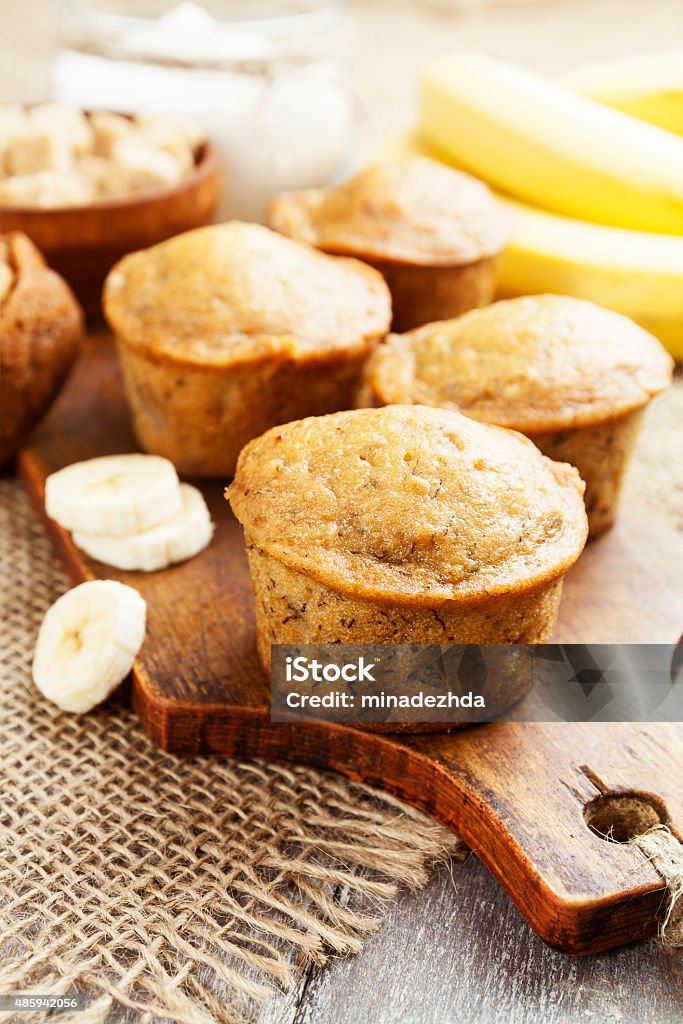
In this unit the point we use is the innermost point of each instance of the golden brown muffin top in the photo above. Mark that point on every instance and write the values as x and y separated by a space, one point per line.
542 362
239 293
415 211
409 504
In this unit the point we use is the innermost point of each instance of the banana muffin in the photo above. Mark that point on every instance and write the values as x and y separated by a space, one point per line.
40 328
405 525
225 331
573 377
434 233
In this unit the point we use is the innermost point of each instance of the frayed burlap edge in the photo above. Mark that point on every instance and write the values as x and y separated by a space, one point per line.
163 888
183 890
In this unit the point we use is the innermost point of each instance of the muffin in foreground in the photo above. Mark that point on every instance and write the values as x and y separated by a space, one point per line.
40 328
228 330
573 377
433 232
405 525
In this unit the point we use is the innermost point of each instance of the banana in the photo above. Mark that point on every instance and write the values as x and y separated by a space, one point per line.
633 272
87 643
114 495
543 143
649 86
179 538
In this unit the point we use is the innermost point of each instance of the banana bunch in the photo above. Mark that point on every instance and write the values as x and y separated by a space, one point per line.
595 195
649 86
544 143
129 511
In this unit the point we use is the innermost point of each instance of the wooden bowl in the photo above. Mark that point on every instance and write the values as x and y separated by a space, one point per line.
82 243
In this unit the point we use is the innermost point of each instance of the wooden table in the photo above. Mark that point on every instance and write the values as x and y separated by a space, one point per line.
457 951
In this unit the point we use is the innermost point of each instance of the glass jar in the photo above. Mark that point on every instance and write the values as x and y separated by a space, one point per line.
267 80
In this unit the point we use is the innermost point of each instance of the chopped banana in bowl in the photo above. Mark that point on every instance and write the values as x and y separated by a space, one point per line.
89 188
54 156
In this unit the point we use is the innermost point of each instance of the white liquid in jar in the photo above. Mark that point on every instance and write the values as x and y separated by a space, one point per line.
278 123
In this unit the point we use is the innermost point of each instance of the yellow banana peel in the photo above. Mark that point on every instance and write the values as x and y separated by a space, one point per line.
633 272
648 86
546 144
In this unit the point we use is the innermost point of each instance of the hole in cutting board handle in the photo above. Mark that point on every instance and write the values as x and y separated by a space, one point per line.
618 817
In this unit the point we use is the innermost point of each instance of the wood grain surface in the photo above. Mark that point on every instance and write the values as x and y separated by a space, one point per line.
515 792
455 954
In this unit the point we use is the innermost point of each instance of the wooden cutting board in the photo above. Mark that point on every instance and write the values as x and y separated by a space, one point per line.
515 792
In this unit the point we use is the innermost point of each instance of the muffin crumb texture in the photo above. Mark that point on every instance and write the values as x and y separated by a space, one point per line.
239 292
573 377
409 504
293 608
537 363
226 331
414 211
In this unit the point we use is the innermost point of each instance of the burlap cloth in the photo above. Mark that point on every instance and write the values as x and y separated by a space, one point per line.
185 889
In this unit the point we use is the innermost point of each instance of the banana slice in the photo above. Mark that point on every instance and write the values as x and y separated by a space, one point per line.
114 495
181 537
87 643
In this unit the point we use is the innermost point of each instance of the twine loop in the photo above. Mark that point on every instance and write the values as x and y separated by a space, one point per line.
664 851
